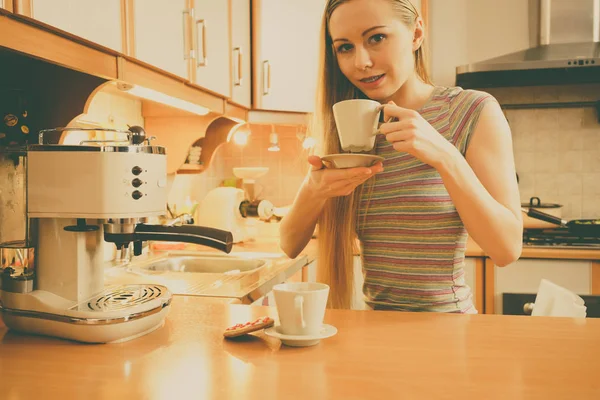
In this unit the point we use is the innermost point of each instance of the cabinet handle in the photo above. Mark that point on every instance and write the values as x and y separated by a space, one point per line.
267 80
188 53
202 60
238 80
528 308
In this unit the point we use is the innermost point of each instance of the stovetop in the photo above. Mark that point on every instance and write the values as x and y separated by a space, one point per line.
558 238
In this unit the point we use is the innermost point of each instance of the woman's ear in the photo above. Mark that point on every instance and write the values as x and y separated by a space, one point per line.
419 34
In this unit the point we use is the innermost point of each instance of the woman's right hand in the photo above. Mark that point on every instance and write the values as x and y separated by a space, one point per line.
325 183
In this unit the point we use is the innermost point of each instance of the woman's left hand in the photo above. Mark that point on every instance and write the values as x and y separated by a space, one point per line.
409 132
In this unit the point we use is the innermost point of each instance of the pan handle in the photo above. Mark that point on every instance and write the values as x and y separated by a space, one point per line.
533 213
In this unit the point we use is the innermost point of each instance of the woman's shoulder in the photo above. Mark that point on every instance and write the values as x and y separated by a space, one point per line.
454 93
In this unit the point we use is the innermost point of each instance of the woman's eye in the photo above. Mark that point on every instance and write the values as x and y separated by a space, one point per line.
344 48
376 38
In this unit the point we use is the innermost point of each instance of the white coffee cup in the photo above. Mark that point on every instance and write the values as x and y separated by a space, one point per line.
356 121
301 307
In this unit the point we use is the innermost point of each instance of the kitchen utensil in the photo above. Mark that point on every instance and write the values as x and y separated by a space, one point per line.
583 227
350 160
549 208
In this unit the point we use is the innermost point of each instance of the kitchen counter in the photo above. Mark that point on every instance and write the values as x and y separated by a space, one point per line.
242 287
375 355
567 253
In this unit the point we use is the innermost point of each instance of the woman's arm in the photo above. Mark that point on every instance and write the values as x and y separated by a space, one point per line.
298 225
482 185
484 189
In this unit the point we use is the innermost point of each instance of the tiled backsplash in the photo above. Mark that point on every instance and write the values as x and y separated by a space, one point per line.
287 167
557 151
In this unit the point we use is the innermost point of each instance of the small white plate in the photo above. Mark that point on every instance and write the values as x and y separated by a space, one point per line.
350 160
304 340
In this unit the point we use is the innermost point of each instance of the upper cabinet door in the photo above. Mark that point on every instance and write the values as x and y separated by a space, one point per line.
96 21
286 45
211 45
241 65
161 34
6 4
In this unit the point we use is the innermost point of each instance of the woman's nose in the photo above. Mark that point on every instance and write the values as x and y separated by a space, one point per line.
362 59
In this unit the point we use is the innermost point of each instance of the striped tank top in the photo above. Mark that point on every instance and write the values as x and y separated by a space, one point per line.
412 238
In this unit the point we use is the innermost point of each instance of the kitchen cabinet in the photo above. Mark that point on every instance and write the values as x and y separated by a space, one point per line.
162 39
241 64
211 38
6 4
98 22
524 276
286 53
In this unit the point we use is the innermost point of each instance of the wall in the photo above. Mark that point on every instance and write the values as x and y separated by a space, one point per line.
466 31
287 167
557 151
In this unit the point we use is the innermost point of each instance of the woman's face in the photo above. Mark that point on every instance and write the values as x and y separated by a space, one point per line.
373 47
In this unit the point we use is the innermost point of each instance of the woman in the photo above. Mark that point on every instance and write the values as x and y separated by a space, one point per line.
449 170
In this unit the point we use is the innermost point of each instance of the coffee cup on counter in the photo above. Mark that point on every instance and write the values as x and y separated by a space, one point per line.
301 307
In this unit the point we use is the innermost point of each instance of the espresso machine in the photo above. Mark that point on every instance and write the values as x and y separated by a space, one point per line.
62 203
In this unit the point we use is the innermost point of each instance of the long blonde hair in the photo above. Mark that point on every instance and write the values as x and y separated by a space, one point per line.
337 223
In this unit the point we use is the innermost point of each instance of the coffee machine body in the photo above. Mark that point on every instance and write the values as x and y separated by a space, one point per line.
77 197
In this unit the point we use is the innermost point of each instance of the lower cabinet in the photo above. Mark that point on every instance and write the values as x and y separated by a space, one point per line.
524 276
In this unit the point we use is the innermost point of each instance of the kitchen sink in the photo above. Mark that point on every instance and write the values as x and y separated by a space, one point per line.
209 263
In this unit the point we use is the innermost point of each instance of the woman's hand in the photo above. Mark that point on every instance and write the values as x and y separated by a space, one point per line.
325 183
409 132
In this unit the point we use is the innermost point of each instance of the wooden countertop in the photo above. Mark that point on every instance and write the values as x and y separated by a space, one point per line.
375 355
473 250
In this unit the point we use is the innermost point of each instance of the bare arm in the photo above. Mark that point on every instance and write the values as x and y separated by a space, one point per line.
298 225
484 189
482 185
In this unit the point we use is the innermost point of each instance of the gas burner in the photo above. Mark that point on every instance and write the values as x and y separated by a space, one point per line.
558 237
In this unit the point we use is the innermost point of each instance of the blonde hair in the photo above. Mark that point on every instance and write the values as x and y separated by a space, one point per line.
337 223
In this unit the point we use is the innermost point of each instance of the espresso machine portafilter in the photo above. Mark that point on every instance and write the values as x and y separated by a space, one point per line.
78 196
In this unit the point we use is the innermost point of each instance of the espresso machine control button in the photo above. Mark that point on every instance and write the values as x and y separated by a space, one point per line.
136 170
136 182
136 195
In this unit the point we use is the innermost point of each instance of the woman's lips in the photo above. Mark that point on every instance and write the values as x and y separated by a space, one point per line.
372 81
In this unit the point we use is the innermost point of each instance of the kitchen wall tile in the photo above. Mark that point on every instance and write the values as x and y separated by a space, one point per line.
546 140
591 160
546 186
591 184
570 118
591 208
569 184
546 119
524 141
571 139
547 161
591 138
570 161
525 162
572 207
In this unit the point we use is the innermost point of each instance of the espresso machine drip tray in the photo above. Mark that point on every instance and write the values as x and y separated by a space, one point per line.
122 297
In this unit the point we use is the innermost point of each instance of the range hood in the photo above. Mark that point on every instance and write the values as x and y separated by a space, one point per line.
568 50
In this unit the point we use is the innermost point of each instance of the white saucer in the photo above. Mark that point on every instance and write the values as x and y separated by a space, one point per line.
301 341
350 160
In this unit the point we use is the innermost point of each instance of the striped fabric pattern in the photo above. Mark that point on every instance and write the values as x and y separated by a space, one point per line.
412 238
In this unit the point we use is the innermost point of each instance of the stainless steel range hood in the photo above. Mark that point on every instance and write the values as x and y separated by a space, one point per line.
568 53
